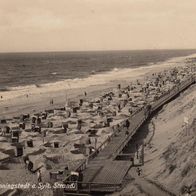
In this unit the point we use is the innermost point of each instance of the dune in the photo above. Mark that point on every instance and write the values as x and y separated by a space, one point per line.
170 152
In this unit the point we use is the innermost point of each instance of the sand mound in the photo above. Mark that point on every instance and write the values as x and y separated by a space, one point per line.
172 156
180 160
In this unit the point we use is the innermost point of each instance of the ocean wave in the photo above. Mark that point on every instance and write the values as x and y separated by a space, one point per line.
26 87
115 69
93 79
3 89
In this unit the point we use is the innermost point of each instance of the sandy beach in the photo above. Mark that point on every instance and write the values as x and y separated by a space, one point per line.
97 98
16 102
65 130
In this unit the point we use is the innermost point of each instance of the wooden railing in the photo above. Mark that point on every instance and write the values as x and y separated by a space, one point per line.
83 164
127 139
83 187
162 100
87 187
172 93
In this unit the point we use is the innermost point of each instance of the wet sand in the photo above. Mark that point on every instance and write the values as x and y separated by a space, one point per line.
40 99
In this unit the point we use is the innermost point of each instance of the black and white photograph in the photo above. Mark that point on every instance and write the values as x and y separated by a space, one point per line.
97 98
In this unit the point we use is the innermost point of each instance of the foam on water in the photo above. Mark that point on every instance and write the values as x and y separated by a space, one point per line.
94 79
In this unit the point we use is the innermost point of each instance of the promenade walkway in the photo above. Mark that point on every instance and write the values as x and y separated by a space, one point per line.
102 172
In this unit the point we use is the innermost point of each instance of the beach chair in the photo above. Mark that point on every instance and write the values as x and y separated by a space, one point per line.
81 102
65 126
91 105
37 129
22 125
7 130
30 143
50 111
56 144
33 119
15 136
24 117
50 124
39 121
92 132
79 125
44 116
19 150
74 109
3 121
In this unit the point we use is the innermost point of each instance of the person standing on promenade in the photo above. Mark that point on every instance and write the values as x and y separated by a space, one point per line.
139 171
39 176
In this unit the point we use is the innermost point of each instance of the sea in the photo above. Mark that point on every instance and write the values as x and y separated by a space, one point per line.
19 71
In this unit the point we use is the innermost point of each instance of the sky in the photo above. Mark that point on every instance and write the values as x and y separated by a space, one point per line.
69 25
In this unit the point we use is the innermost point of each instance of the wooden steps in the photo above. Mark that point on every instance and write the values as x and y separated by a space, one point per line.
113 172
90 173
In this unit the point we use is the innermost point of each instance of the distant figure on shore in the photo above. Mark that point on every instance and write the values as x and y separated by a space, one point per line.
51 102
85 93
39 176
1 97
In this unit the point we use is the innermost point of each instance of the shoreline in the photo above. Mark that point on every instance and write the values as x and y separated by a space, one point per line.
91 115
40 101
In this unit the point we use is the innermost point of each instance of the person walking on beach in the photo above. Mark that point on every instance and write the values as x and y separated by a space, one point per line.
30 165
51 102
39 176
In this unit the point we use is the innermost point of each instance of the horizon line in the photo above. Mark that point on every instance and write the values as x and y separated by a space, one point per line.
112 50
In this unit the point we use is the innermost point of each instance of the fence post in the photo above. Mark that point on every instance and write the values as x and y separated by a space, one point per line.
143 153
